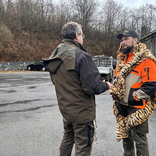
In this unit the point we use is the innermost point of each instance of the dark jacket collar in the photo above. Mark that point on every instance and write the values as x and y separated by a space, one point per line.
75 43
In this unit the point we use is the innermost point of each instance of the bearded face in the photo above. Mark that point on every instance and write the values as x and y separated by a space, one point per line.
127 50
128 44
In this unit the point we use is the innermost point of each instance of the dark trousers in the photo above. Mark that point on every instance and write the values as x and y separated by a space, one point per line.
81 135
137 135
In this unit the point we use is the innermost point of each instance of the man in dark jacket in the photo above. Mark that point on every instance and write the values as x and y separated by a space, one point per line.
77 80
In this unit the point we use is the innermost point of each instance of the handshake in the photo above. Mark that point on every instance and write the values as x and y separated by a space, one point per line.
109 84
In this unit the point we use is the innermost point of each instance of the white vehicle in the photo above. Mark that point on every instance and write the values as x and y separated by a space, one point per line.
105 66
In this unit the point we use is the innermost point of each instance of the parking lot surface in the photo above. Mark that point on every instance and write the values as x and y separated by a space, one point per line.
31 124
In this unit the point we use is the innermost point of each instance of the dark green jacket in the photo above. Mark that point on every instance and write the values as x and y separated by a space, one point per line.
76 79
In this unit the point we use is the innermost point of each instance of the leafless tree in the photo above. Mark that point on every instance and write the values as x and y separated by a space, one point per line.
84 13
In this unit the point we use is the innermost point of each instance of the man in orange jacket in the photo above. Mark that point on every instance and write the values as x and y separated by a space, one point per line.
140 85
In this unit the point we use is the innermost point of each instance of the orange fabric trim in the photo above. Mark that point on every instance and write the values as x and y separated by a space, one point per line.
115 72
146 69
129 57
141 107
149 70
135 98
137 85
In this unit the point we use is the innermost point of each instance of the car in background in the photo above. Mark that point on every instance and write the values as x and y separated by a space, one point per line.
38 65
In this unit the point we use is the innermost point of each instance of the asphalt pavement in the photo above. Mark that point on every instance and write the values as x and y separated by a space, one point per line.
31 124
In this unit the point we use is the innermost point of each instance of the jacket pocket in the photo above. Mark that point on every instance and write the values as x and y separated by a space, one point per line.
90 133
132 101
143 128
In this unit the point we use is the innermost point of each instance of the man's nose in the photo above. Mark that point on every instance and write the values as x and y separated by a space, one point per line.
123 42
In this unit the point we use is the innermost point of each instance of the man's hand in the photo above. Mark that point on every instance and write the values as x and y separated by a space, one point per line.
109 84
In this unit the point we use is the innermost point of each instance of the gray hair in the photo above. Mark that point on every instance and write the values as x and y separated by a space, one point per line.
70 29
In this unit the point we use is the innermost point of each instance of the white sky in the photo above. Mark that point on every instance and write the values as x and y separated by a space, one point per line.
135 3
127 3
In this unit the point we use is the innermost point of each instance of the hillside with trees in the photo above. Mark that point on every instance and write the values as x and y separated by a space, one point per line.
31 29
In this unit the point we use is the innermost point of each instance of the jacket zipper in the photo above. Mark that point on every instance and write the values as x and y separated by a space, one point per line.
148 72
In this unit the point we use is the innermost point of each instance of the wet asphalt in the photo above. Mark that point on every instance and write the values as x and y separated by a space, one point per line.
31 124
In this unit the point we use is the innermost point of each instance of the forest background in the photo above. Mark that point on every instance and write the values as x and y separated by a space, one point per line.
31 29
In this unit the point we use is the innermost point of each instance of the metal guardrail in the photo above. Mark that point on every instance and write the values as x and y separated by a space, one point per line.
14 65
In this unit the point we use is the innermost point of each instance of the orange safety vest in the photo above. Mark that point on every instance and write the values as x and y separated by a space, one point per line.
145 73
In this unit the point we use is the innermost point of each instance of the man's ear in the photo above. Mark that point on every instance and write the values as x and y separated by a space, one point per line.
136 40
76 35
